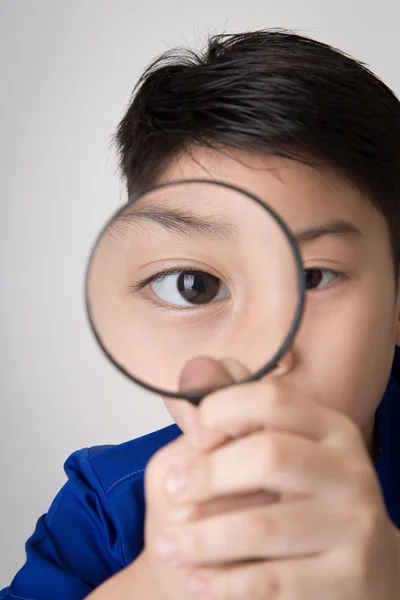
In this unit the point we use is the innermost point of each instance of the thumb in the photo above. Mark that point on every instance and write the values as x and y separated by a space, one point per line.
205 373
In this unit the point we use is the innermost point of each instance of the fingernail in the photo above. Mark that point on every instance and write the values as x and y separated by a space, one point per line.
166 547
177 481
198 584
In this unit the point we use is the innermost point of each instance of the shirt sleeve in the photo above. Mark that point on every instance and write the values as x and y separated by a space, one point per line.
75 546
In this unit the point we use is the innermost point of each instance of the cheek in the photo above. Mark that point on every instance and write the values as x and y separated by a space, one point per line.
346 345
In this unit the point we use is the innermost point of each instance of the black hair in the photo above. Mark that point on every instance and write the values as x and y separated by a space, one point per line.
270 92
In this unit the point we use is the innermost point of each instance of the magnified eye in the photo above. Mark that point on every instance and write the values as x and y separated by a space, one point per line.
188 288
318 278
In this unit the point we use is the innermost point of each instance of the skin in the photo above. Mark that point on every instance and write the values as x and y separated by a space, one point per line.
343 352
145 328
301 514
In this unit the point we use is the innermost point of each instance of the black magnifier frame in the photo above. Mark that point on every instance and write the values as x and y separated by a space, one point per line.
196 397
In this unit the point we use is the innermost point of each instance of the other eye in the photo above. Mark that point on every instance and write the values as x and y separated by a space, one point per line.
188 288
315 279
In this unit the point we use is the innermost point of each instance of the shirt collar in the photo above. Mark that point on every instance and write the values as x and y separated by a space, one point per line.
387 427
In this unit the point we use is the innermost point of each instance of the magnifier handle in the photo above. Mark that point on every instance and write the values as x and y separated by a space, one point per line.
195 399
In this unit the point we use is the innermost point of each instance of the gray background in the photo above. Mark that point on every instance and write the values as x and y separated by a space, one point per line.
67 70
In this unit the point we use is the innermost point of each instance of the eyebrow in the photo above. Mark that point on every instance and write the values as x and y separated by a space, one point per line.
187 223
180 221
335 227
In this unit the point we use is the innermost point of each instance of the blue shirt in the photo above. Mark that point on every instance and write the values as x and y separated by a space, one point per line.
95 525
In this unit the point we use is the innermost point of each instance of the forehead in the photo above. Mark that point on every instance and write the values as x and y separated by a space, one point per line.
301 195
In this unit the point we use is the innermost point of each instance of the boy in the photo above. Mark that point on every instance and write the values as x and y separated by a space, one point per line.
312 507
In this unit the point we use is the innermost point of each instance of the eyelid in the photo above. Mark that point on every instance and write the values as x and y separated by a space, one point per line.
339 275
162 274
136 287
337 272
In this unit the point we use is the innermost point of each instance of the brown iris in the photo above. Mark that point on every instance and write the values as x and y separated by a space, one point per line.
198 287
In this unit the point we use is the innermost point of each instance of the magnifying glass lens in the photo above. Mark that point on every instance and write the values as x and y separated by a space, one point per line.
193 268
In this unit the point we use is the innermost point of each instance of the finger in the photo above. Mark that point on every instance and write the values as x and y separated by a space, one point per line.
266 532
312 578
205 374
202 373
162 462
231 503
185 513
272 461
237 371
255 406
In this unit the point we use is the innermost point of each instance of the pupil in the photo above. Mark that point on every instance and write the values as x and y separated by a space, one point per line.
313 278
198 287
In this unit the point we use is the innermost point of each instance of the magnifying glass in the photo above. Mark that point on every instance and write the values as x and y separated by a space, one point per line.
194 268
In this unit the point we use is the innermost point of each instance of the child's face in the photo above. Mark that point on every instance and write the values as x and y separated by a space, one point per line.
343 352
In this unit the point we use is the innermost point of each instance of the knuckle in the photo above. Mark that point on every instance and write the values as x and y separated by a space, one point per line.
206 473
361 478
266 582
350 430
164 460
260 529
255 582
273 454
155 471
207 413
348 425
367 522
272 584
273 400
192 546
355 569
345 431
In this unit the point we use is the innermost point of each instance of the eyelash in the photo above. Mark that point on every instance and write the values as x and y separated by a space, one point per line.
160 275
